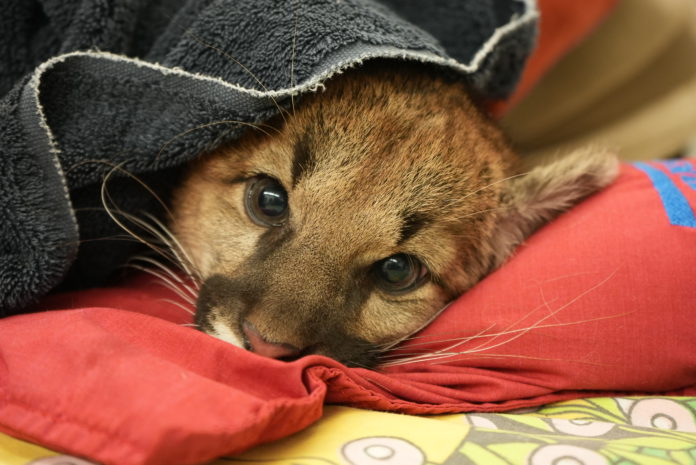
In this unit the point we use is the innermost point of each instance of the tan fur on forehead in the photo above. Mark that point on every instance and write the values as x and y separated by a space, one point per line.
411 157
418 123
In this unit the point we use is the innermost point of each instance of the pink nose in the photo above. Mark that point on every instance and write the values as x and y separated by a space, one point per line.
268 349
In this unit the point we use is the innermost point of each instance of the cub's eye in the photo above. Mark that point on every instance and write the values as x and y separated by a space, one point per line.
399 273
266 201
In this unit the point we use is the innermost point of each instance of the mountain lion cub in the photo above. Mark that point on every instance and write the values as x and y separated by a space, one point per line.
349 228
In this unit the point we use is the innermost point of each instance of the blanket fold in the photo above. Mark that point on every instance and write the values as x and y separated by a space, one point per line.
91 89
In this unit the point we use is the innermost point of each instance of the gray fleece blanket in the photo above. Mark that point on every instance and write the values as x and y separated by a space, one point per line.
147 85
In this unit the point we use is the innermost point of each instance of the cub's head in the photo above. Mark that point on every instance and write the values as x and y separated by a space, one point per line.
351 225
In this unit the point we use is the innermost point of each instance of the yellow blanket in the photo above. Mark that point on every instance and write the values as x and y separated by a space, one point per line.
617 431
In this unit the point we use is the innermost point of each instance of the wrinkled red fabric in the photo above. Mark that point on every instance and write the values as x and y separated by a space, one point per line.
601 301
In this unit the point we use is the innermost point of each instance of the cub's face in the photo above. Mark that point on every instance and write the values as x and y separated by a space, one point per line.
348 227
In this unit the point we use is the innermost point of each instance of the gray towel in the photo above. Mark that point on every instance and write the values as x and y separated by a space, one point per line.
87 85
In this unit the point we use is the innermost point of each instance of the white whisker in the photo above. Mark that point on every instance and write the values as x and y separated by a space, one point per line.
524 357
292 57
169 273
105 195
394 343
173 250
181 306
166 252
238 63
519 332
437 353
166 282
208 125
184 259
493 184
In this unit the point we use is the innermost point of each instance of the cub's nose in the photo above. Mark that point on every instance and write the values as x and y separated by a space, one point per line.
268 349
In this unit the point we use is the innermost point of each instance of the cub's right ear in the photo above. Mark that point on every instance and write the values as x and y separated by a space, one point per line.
534 198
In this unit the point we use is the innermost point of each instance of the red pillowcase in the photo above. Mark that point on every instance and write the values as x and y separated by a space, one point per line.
600 301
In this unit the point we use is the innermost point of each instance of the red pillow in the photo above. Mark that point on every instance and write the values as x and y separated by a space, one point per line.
598 302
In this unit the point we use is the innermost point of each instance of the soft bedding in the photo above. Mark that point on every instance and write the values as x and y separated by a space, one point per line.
115 375
147 85
600 431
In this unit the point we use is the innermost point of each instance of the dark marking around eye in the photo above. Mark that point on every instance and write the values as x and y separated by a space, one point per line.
272 240
303 160
412 223
238 180
437 280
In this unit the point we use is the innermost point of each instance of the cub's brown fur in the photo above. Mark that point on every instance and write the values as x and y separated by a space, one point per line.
385 162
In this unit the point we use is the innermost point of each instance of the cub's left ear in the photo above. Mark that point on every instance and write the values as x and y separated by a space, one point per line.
534 198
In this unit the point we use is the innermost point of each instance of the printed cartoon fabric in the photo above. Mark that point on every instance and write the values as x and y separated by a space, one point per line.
600 431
